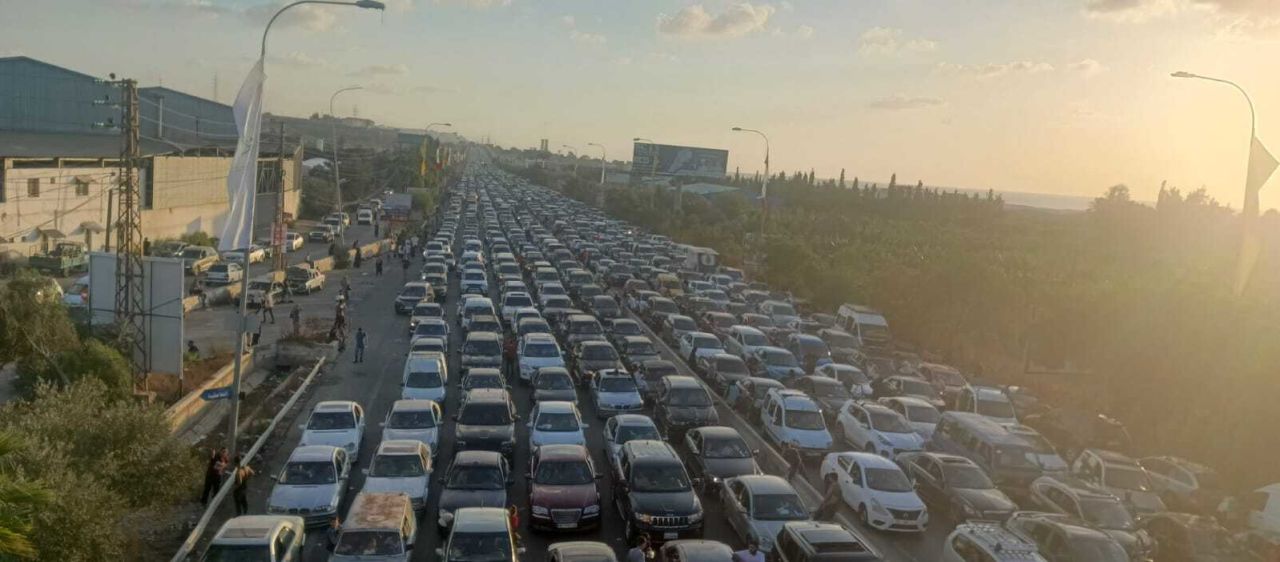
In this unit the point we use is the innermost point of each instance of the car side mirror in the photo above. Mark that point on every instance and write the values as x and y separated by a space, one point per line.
440 553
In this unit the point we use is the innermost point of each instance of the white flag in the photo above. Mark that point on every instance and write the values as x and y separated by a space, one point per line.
242 180
1261 165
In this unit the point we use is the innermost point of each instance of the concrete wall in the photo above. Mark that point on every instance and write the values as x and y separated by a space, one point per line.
58 205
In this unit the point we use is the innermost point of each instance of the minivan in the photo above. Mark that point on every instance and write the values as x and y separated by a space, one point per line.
1009 459
379 526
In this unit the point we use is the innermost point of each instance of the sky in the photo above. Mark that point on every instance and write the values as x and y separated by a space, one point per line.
1049 96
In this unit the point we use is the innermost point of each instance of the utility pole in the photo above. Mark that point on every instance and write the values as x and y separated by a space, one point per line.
129 313
277 229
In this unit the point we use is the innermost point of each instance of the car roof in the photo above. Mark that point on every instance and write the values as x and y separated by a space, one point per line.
334 406
399 447
793 399
563 452
555 407
681 381
488 395
471 457
716 432
412 405
480 520
818 532
634 419
636 339
766 484
539 337
251 529
701 549
655 363
870 460
312 453
373 510
482 335
650 449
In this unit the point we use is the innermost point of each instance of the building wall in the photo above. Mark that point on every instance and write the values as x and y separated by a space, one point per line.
57 206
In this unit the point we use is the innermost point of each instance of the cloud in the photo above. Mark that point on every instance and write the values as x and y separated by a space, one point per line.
622 61
585 38
430 89
1234 18
890 41
993 70
568 22
396 69
298 59
804 32
900 102
476 4
735 21
1131 10
1086 67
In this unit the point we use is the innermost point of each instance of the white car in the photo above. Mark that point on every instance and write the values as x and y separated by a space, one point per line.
875 428
853 378
224 274
417 420
922 416
744 340
757 506
338 423
705 343
614 391
425 377
537 351
256 255
513 302
294 241
877 490
313 483
556 423
475 281
790 417
401 467
627 427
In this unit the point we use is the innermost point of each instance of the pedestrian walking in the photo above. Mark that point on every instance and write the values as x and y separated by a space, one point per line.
377 268
240 490
346 289
639 552
295 316
288 293
268 307
360 341
830 504
212 476
750 554
792 455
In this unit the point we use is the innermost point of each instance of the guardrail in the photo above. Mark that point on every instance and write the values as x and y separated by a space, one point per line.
192 405
190 544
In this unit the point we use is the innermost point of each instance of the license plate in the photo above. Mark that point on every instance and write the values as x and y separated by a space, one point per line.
670 536
566 525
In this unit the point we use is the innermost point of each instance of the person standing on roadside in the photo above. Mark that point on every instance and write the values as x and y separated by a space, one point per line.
296 316
360 340
268 306
377 267
212 476
240 490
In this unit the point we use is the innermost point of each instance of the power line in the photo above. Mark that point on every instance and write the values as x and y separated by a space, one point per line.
176 112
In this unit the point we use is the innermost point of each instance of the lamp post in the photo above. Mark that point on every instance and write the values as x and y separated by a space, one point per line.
575 158
333 121
764 188
604 162
233 429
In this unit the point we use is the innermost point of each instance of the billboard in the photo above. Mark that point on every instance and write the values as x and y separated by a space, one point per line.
397 206
162 292
671 160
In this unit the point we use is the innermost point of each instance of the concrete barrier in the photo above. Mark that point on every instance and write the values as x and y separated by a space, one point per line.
192 405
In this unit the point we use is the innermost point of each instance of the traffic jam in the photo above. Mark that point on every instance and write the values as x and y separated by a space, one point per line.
577 390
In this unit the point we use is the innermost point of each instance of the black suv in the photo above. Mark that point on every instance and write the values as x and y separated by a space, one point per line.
684 403
486 422
654 494
810 541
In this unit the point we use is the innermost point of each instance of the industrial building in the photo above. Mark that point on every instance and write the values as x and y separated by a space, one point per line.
61 145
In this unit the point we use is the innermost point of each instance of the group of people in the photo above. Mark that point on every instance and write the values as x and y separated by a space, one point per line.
642 552
220 467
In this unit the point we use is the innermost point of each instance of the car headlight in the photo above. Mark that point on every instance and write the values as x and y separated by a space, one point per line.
644 518
350 446
876 506
539 510
715 479
591 510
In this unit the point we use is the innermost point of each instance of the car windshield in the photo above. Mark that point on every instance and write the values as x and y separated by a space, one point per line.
778 507
889 422
923 414
476 477
485 413
518 301
725 448
707 342
887 480
482 347
780 358
804 419
626 329
323 421
473 276
967 477
563 473
556 421
1017 458
781 309
486 325
722 320
479 547
599 353
412 420
917 387
995 408
683 324
397 466
192 254
428 310
585 327
238 553
641 348
663 306
424 379
306 473
813 346
659 477
1106 513
843 341
1096 549
617 384
688 398
1127 479
752 339
633 432
558 302
413 291
482 380
830 389
554 380
731 366
431 329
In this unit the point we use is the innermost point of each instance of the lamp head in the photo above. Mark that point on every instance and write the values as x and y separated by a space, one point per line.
1182 74
371 4
446 124
737 128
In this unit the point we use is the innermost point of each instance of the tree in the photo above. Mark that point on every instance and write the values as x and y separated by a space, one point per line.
841 184
20 500
32 324
93 359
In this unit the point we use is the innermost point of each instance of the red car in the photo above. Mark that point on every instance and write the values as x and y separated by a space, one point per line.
562 489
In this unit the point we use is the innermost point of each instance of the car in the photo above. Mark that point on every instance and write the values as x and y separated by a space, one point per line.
748 394
401 467
322 233
483 377
955 485
682 403
987 541
312 484
947 380
265 537
622 428
694 345
878 491
906 385
513 301
828 393
1121 476
622 327
556 422
591 356
986 401
722 370
425 377
649 375
842 345
339 423
262 287
431 328
742 340
563 495
1074 430
875 428
472 306
1184 485
475 282
614 391
674 327
853 378
1185 537
486 421
922 416
810 350
818 541
1099 509
484 323
364 216
537 351
654 495
791 418
224 274
417 420
257 254
715 453
756 507
580 551
604 307
410 295
1062 539
481 533
782 313
774 363
474 479
636 350
423 311
580 328
553 384
482 349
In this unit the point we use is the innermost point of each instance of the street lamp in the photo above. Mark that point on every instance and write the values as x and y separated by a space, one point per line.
333 122
575 158
1253 118
604 159
764 188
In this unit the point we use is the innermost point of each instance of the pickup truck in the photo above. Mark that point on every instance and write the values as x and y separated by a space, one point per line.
198 259
322 233
65 258
260 286
303 280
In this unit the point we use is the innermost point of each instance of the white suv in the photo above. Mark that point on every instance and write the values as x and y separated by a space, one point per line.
790 417
875 428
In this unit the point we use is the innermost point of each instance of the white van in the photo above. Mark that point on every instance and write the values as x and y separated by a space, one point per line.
866 324
379 526
364 216
425 377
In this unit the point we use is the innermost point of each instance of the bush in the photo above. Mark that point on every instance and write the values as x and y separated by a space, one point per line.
199 238
94 360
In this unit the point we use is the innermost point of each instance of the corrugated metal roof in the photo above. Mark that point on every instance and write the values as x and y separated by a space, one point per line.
15 144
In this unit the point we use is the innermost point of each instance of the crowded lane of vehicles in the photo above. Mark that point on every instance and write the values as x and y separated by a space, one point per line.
610 389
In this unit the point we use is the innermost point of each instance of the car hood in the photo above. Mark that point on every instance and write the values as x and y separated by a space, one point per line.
451 500
638 358
485 433
540 362
808 438
767 532
412 487
665 503
898 500
691 414
778 372
564 497
434 393
984 500
831 405
728 468
597 365
304 497
567 395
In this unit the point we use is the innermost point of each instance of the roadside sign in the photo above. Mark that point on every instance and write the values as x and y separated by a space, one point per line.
220 393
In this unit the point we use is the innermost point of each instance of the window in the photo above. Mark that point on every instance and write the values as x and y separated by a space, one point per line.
33 187
855 472
1060 498
82 187
934 471
284 541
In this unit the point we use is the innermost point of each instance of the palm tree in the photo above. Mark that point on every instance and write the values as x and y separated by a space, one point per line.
20 499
